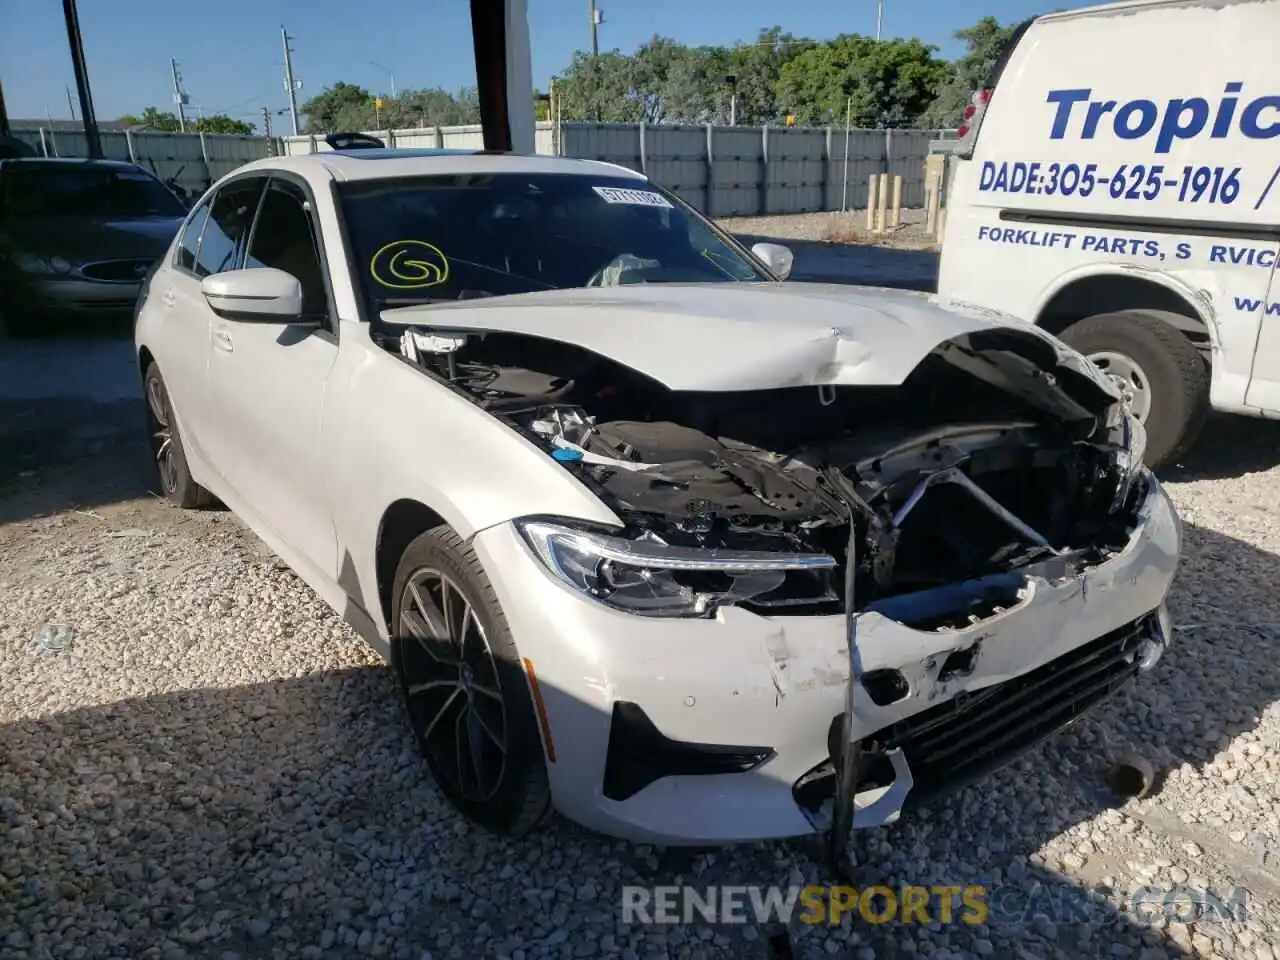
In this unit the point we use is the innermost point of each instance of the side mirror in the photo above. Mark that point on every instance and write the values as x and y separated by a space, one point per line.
262 294
776 257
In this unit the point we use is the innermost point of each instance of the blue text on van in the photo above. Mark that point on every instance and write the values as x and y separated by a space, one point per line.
1177 119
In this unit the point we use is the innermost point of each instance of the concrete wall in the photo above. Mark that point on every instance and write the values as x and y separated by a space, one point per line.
723 171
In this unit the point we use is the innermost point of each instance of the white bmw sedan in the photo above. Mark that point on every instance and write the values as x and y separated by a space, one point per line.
650 536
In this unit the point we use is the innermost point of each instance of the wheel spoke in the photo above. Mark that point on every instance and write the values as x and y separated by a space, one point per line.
483 724
418 623
490 692
464 754
420 688
444 707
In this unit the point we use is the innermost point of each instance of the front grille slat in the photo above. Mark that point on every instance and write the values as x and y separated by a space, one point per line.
1036 696
952 743
116 271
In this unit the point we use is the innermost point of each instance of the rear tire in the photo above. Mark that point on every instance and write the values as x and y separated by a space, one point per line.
464 687
1175 374
166 446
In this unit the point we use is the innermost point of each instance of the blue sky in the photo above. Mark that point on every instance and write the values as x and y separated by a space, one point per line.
230 56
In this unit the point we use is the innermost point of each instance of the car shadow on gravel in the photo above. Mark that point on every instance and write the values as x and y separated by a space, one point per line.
294 818
1229 446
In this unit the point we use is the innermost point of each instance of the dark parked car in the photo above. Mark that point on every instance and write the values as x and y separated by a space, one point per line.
79 236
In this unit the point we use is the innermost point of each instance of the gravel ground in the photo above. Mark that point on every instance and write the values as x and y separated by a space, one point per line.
214 766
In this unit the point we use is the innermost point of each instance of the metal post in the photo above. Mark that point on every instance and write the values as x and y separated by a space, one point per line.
289 82
179 98
266 121
87 116
595 28
879 17
844 193
70 106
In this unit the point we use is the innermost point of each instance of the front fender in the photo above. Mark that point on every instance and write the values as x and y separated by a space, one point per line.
399 434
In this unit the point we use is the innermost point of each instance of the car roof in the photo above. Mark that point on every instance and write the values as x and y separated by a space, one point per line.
72 162
1120 6
389 163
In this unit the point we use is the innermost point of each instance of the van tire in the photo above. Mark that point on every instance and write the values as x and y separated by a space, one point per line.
1177 373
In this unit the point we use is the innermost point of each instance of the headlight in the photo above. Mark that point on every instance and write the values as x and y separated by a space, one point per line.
654 579
60 264
1129 464
30 263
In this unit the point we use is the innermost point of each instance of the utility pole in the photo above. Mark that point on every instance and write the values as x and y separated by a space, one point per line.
389 72
87 116
879 17
70 106
290 84
266 121
179 96
597 18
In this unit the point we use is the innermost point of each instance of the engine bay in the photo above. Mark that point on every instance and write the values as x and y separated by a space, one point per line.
948 477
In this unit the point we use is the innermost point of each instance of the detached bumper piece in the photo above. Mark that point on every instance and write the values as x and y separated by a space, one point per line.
972 735
640 754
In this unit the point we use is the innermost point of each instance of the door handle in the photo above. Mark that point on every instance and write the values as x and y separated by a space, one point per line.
222 340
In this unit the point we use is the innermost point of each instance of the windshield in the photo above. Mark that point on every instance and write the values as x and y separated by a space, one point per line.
71 190
457 237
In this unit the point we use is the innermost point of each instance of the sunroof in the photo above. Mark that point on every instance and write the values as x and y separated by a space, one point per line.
399 153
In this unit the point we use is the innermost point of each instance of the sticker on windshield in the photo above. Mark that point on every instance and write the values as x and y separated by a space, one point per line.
409 265
634 198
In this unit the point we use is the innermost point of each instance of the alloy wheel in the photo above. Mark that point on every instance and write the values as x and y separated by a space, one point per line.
162 434
451 681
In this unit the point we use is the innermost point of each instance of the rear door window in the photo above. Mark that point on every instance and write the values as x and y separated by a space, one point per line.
227 230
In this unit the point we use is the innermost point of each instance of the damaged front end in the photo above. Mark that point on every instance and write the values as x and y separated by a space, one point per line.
935 503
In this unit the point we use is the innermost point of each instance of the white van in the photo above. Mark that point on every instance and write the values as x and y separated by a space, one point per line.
1118 183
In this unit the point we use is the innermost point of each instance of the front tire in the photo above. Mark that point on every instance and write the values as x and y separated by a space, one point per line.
1163 371
166 446
464 687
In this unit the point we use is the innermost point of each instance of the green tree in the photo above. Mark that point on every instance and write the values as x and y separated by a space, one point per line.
221 123
757 67
984 41
891 82
341 107
433 107
601 88
152 119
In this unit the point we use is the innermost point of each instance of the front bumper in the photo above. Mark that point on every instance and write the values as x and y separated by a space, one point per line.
740 708
86 297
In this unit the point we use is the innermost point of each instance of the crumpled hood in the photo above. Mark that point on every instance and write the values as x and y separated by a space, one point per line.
730 336
85 239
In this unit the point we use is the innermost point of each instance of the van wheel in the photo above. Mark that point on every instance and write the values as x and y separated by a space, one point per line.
1165 376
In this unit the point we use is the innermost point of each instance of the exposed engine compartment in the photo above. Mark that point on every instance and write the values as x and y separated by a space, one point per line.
980 463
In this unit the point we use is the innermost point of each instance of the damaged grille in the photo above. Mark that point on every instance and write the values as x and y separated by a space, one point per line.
116 271
973 734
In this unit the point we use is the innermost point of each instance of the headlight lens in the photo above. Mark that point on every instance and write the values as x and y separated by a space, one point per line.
1129 460
30 263
60 264
654 579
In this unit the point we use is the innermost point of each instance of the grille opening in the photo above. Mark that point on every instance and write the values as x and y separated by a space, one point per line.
973 734
886 687
960 663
